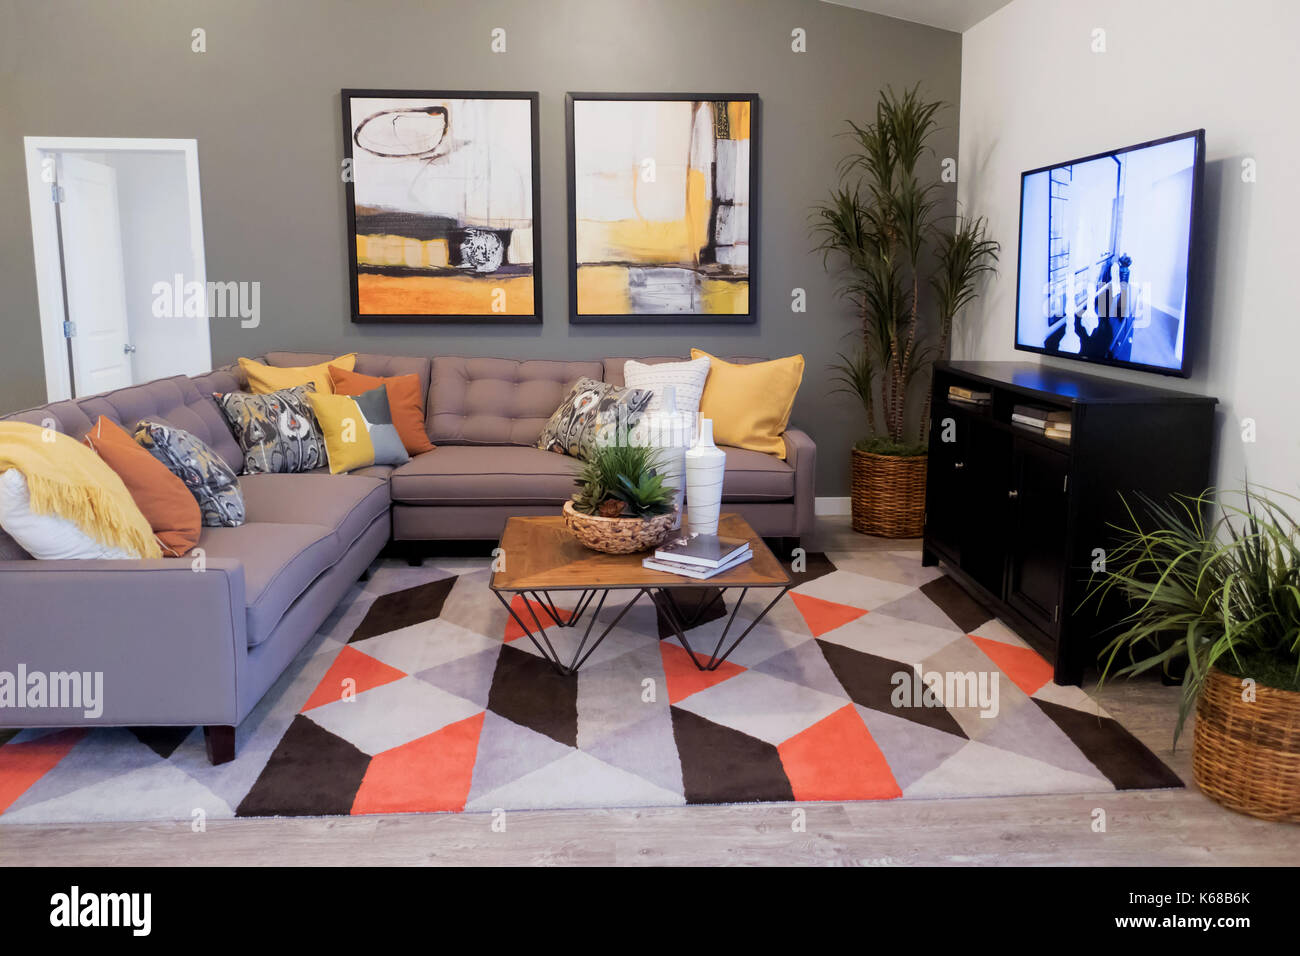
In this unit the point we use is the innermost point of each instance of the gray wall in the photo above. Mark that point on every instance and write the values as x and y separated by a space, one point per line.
263 103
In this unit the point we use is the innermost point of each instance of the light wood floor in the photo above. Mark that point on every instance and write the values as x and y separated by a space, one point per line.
1149 828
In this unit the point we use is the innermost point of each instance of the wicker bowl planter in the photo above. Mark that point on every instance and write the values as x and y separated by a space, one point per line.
1246 755
888 494
617 535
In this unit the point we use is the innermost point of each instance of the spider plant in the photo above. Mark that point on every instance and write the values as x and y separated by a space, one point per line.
1224 593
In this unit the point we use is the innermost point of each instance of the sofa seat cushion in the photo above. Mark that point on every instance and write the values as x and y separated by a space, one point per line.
755 476
345 504
485 475
280 562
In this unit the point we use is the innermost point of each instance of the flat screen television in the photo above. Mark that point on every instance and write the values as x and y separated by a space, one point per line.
1105 247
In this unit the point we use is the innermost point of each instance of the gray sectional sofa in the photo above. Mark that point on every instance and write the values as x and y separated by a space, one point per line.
198 641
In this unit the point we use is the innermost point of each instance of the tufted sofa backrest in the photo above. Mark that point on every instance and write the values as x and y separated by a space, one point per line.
490 401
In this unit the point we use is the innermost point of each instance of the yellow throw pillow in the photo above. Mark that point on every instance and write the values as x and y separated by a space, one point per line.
263 379
347 440
750 404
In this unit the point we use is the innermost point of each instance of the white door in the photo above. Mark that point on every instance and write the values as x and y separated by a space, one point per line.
92 261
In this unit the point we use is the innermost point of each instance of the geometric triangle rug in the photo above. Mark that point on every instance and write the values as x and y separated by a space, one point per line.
874 679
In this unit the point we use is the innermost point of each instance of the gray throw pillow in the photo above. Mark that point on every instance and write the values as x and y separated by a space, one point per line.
592 414
193 461
276 431
389 449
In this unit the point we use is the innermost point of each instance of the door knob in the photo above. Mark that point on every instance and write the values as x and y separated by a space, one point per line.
1013 493
128 349
959 465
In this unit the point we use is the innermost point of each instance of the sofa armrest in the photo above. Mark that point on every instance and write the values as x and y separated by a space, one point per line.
801 455
169 640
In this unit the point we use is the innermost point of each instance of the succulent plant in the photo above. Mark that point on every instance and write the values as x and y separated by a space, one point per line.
622 481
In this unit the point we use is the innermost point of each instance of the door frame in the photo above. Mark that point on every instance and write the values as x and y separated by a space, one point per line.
45 246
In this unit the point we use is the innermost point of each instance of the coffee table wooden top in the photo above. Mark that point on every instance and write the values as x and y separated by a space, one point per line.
541 555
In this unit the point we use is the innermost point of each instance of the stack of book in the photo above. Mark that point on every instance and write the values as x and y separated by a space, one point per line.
1053 424
966 396
699 555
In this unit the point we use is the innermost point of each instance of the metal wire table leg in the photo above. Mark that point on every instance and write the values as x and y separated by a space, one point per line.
584 602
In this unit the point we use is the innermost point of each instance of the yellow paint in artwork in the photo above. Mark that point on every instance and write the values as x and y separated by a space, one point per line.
634 240
720 297
649 241
389 250
444 295
738 118
436 253
697 212
602 290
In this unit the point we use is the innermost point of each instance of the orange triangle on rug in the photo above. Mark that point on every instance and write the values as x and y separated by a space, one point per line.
837 759
684 678
22 764
525 609
352 665
430 774
1024 666
822 615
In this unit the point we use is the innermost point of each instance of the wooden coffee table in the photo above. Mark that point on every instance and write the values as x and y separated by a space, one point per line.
541 558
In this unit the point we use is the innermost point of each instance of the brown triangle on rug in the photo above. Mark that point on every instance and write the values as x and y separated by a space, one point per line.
399 609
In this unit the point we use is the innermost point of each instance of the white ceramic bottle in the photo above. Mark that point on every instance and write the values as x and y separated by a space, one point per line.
671 439
705 464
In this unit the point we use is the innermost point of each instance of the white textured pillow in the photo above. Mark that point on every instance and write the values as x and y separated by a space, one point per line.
686 379
45 536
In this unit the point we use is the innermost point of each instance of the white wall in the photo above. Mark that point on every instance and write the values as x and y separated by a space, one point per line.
1033 92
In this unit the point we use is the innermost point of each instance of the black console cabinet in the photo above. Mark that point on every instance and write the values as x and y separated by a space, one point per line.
1017 518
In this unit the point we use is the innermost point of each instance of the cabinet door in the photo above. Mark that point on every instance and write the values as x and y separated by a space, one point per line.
985 508
945 484
1037 565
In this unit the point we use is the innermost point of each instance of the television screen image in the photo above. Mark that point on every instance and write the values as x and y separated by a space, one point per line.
1104 252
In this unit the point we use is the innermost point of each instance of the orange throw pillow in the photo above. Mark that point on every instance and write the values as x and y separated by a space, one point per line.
172 512
403 402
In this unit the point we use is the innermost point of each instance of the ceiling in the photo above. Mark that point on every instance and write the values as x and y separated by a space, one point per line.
955 15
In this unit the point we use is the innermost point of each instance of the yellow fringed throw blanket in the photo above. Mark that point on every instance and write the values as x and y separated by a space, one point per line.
67 479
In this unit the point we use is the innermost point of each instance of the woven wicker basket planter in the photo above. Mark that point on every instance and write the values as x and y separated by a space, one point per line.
617 535
888 494
1246 755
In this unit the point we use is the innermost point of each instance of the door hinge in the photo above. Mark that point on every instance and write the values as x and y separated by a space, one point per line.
56 193
69 329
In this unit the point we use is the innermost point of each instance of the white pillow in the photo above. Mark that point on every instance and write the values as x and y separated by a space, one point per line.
686 379
45 536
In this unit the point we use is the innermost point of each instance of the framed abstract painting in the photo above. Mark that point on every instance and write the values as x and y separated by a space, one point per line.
442 206
662 207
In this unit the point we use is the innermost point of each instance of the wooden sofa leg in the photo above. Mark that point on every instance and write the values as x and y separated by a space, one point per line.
221 744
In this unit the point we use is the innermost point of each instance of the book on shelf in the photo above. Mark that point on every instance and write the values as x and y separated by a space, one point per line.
969 395
1031 415
1052 431
701 550
696 571
958 400
1060 419
1028 421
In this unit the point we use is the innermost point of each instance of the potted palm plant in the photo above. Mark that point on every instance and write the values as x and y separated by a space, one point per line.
881 228
1220 600
621 504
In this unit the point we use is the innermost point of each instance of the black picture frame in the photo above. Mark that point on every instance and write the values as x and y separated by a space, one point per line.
346 97
665 318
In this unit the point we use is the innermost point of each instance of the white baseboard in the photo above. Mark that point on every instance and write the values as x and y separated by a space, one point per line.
832 506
